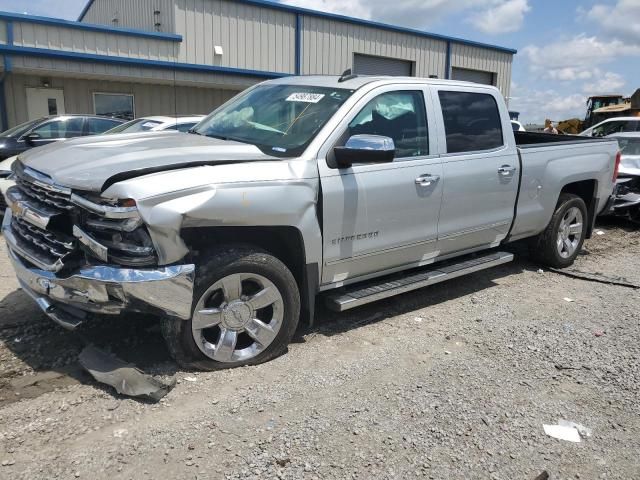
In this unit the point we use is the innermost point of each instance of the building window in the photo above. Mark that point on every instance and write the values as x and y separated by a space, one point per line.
118 105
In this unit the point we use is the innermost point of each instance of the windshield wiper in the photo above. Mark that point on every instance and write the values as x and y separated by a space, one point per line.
191 130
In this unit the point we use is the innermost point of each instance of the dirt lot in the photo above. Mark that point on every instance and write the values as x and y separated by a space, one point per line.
454 381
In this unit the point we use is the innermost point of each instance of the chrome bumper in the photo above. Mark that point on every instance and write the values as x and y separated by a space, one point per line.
106 290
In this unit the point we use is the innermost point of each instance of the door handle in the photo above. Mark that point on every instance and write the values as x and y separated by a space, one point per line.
426 180
506 170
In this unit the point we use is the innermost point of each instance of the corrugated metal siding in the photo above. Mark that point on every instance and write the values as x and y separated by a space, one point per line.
485 59
58 37
149 99
132 14
3 32
328 47
47 67
251 37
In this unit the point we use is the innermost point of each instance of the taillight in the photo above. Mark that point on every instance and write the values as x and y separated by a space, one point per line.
616 167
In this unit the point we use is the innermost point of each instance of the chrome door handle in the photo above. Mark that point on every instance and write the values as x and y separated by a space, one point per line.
426 180
506 170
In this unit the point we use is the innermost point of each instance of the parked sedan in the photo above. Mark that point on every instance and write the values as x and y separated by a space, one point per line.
158 123
42 131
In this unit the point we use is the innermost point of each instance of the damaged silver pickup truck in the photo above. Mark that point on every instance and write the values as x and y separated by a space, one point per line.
360 187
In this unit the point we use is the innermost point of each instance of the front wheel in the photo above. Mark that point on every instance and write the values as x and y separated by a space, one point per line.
561 242
245 311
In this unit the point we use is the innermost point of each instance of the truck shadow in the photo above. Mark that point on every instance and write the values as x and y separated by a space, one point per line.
48 354
331 323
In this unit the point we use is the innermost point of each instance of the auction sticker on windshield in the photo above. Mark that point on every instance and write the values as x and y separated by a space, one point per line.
305 97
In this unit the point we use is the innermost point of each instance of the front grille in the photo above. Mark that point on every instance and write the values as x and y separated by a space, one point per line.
46 245
53 247
49 196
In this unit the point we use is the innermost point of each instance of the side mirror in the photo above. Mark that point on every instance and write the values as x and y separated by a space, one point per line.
365 149
31 137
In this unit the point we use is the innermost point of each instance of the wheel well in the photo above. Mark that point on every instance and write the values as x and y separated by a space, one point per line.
585 189
283 242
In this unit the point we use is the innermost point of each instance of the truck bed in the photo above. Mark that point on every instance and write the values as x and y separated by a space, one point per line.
538 139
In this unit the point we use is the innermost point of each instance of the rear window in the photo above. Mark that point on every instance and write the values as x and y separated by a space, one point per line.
471 121
629 146
136 126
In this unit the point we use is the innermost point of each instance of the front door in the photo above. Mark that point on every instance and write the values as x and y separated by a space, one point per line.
481 168
377 217
42 102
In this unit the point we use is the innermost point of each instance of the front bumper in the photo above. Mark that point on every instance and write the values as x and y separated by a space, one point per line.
104 289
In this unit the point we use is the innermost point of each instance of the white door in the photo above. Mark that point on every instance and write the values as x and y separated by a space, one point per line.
42 102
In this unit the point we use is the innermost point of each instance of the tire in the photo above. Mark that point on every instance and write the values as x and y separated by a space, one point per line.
547 248
247 330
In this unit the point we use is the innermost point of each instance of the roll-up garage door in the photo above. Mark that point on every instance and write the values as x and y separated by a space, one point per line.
476 76
370 65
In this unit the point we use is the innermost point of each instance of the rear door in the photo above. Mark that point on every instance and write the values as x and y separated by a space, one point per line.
377 217
480 166
56 130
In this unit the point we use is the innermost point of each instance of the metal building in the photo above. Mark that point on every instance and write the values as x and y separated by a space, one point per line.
152 57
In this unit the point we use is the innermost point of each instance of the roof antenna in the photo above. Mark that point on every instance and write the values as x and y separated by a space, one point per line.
346 75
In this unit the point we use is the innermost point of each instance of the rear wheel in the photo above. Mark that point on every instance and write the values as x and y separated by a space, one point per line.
561 242
246 309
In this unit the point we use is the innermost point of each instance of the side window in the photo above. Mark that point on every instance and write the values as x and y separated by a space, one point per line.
63 128
400 115
100 125
471 121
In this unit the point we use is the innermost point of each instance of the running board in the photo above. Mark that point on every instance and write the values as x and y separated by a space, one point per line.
384 288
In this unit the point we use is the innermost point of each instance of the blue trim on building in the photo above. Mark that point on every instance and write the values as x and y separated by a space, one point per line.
3 106
355 21
298 53
85 10
19 17
8 65
447 62
135 62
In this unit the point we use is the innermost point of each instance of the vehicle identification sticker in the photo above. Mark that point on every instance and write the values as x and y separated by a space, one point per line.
305 97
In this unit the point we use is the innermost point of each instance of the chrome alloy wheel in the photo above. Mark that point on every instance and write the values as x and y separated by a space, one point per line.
237 317
569 232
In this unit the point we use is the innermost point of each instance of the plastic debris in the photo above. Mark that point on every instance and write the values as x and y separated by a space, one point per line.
599 333
568 431
599 232
122 376
567 299
190 379
582 430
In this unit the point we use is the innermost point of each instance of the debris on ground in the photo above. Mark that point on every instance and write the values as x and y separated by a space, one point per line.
567 299
122 376
543 476
568 431
599 333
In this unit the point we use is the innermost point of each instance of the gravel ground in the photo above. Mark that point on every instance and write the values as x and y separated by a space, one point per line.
453 381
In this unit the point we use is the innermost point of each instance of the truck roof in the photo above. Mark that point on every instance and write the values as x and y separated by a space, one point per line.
360 80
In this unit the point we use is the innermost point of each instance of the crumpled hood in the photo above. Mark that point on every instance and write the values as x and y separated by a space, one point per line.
91 163
630 165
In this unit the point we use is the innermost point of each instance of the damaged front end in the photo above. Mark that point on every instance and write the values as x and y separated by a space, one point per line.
627 198
78 254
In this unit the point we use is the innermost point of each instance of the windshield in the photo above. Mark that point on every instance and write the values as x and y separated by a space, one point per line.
281 120
629 146
135 126
19 130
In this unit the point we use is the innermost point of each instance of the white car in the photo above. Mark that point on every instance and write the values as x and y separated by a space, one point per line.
5 183
157 124
613 125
